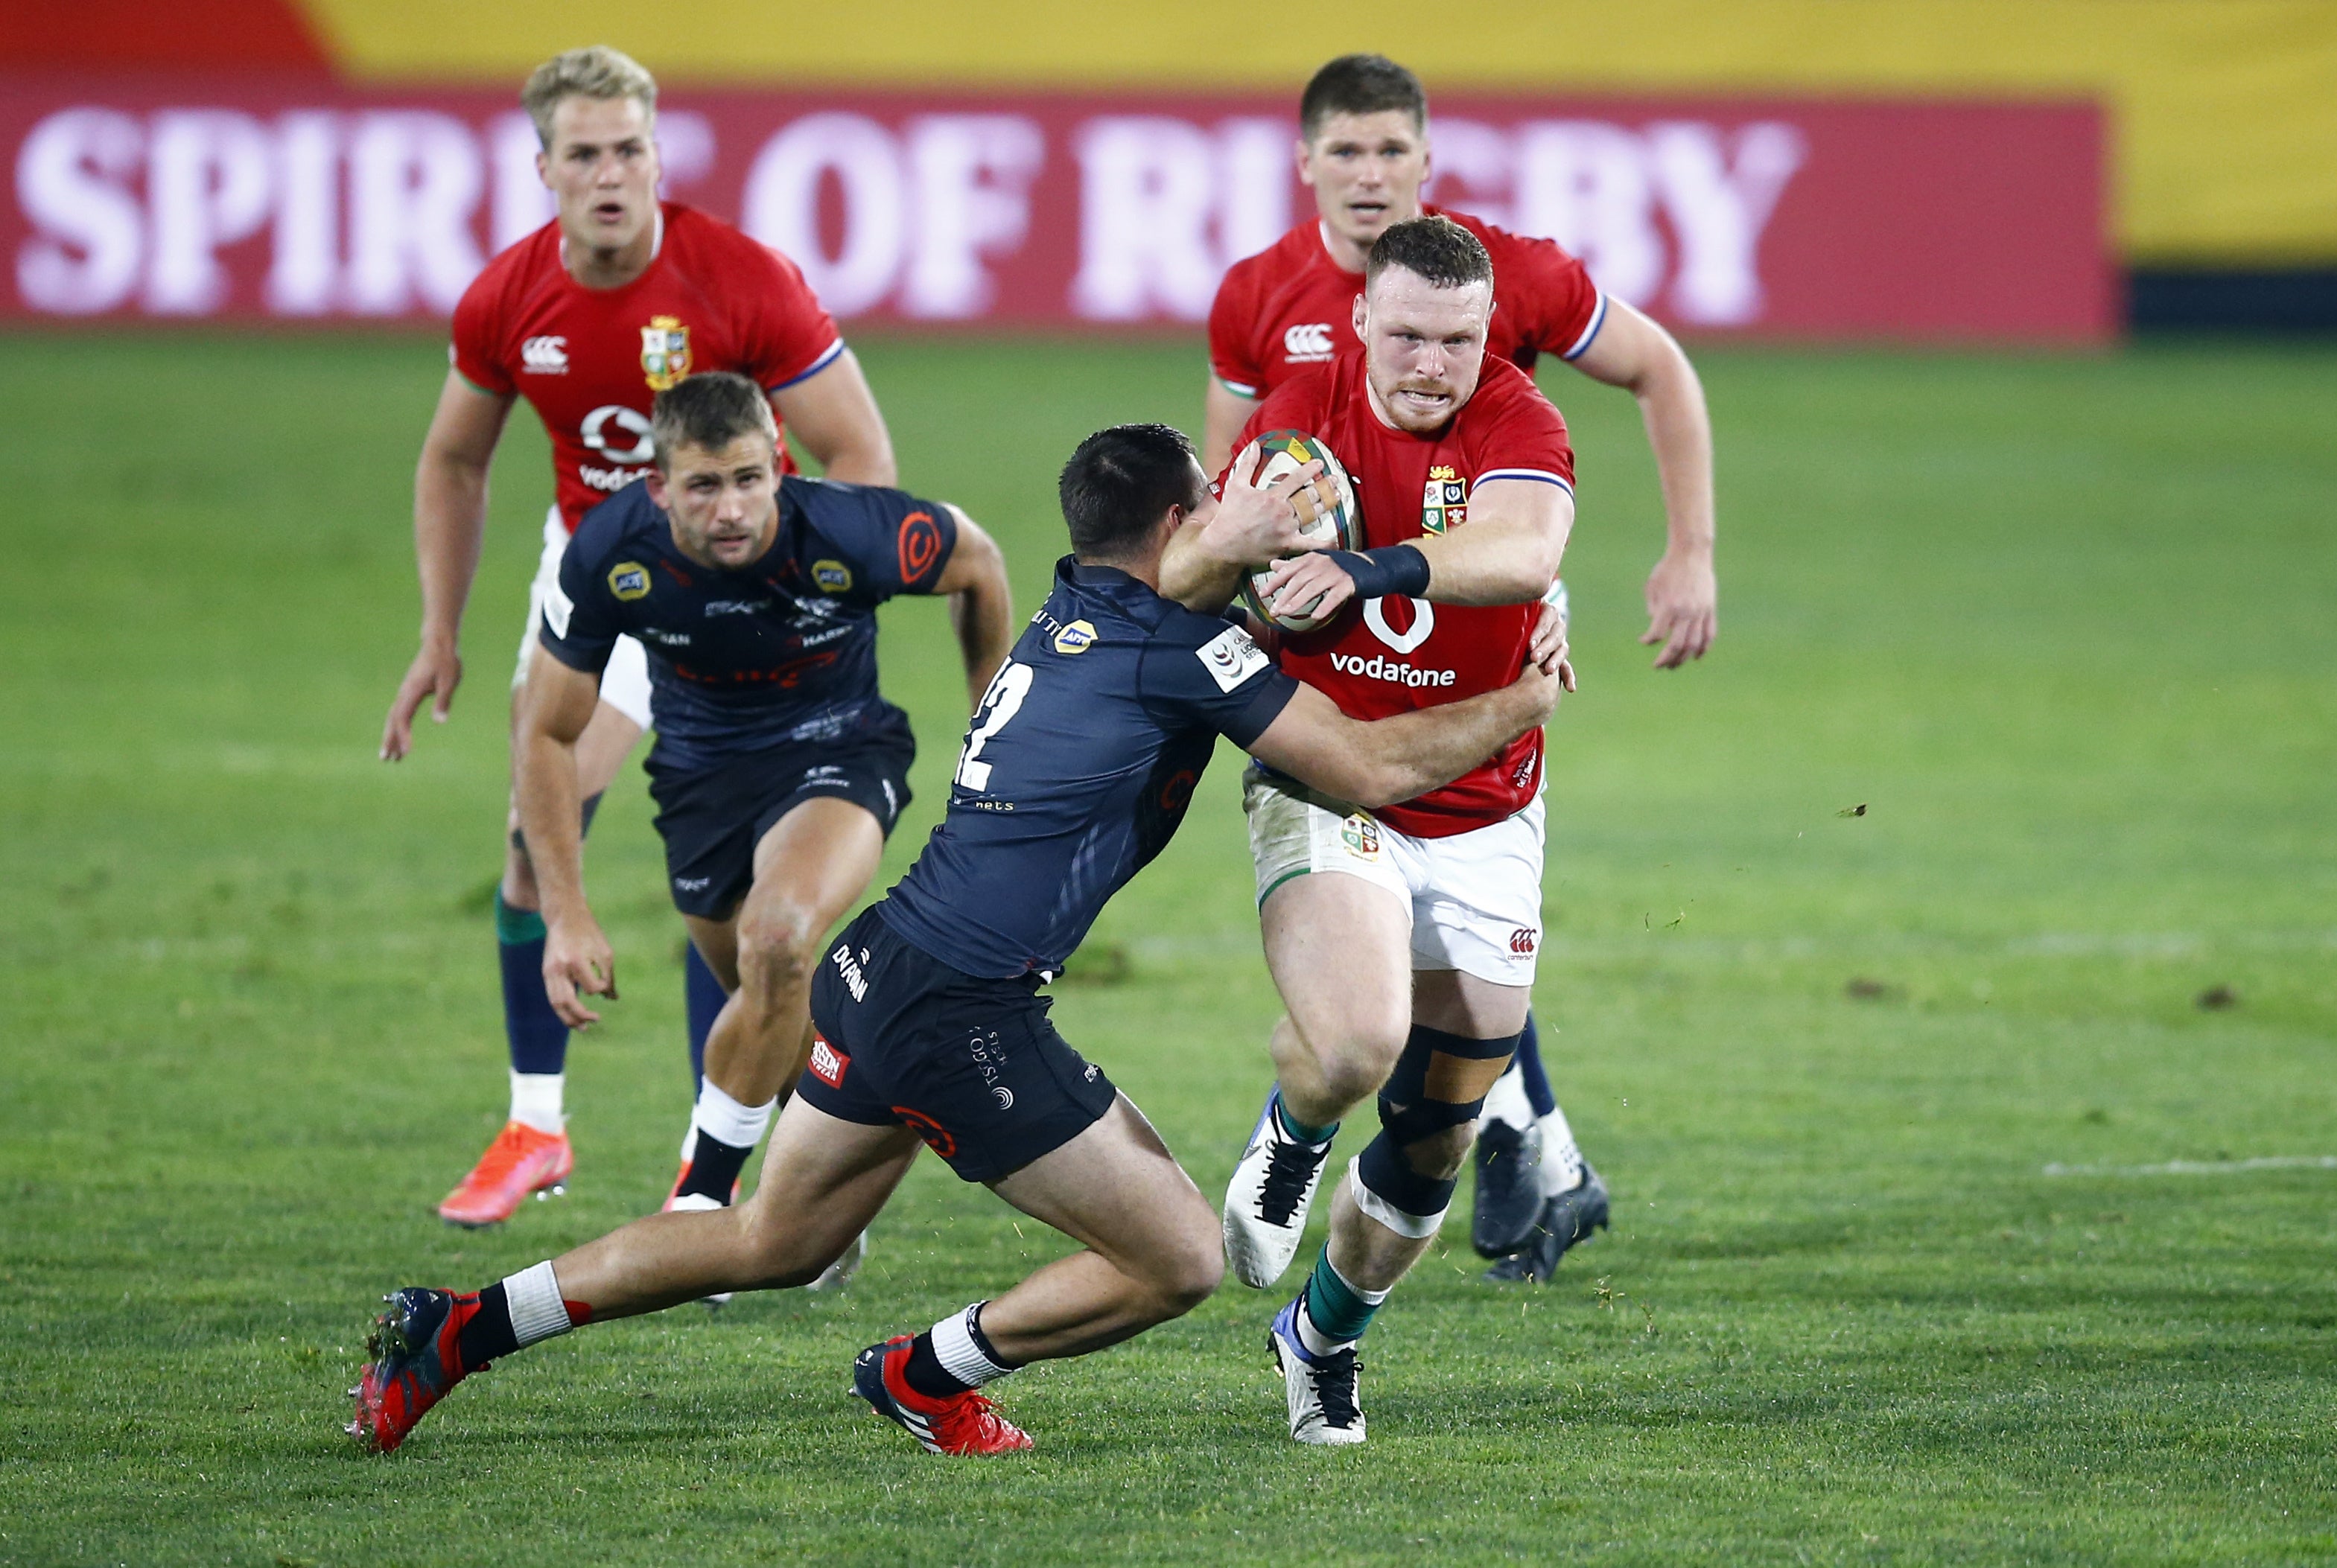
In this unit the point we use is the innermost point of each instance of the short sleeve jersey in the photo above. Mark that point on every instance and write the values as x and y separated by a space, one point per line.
780 651
1393 655
1076 770
590 360
1291 305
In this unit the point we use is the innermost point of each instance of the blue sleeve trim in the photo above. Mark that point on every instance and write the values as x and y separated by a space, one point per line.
1542 475
1597 320
826 359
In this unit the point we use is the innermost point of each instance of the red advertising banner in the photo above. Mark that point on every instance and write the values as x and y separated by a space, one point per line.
303 201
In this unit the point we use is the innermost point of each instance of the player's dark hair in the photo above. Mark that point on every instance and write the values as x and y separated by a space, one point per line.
1120 482
710 411
1436 249
1361 85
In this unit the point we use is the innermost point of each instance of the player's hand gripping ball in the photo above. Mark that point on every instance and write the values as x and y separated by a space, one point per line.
1327 513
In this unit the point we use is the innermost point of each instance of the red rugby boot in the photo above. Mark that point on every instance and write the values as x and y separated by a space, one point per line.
416 1363
965 1422
520 1161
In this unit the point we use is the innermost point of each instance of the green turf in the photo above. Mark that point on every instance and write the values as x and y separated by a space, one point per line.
2063 626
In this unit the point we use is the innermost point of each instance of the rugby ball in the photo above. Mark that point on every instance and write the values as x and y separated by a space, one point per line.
1326 511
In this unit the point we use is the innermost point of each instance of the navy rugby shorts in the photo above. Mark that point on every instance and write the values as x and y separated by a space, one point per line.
972 1065
712 818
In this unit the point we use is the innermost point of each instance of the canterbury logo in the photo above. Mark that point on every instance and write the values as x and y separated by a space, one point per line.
1523 940
544 355
1310 341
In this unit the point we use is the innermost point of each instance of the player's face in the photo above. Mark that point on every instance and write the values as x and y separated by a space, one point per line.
1366 170
602 166
1423 346
723 504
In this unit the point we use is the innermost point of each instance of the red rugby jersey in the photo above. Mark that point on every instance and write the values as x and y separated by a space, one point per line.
1291 305
591 359
1393 655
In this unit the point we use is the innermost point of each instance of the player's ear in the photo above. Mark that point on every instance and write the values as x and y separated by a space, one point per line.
543 168
655 479
1298 158
1361 313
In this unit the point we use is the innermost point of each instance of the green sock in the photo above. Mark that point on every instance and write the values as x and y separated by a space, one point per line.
1297 1129
1335 1311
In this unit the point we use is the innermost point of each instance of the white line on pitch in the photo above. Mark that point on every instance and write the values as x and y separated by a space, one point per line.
2201 1167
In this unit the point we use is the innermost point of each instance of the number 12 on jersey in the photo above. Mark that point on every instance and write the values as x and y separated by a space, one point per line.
1000 704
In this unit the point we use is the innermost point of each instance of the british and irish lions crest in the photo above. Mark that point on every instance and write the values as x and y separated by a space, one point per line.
665 351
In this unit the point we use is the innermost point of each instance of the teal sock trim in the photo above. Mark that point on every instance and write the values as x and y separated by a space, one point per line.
1331 1303
512 926
1299 1129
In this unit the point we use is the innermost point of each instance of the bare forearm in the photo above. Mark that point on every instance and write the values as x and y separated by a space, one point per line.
1680 433
1414 753
1491 561
1195 576
982 616
450 522
551 820
863 463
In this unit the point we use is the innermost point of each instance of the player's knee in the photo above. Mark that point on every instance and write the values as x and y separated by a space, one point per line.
1190 1266
774 947
1360 1058
1437 1156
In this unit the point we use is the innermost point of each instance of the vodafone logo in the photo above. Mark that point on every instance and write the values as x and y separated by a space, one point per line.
1423 623
1309 341
630 422
543 356
1377 668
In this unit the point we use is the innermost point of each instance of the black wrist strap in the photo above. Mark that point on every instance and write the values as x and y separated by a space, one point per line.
1392 568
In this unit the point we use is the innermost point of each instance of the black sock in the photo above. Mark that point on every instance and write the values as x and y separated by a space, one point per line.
925 1372
489 1333
714 1167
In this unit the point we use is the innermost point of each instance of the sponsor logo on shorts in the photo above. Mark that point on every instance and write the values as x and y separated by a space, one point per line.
832 576
629 580
1231 658
989 1057
1362 834
937 1138
543 356
671 638
692 884
1075 639
1524 940
1307 343
855 980
827 1063
714 607
1378 668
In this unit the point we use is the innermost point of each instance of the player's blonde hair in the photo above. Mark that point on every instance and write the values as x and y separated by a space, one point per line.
598 72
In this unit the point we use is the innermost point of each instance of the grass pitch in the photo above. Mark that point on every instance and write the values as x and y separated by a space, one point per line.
1901 1271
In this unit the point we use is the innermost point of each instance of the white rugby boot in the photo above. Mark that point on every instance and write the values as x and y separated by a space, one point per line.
838 1274
1324 1391
1266 1200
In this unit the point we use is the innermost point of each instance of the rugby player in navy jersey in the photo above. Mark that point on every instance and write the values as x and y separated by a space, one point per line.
1081 759
779 769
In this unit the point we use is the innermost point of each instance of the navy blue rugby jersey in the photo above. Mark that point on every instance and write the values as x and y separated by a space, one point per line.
778 651
1076 769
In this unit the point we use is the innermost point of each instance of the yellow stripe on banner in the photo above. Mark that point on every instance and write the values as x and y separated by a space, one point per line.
2224 112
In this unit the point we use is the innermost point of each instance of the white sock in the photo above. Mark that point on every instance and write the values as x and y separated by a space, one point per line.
537 1100
726 1121
961 1354
1561 1161
1507 1102
537 1312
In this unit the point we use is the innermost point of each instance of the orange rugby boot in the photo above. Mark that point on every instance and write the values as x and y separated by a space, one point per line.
520 1161
966 1424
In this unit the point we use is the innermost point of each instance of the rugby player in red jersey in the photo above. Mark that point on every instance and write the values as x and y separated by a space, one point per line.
619 296
1363 149
1400 938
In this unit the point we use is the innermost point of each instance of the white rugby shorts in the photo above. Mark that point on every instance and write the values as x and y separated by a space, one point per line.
625 683
1475 898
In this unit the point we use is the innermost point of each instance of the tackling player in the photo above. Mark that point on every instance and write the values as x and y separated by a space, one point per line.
1363 149
1402 938
1075 773
587 319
